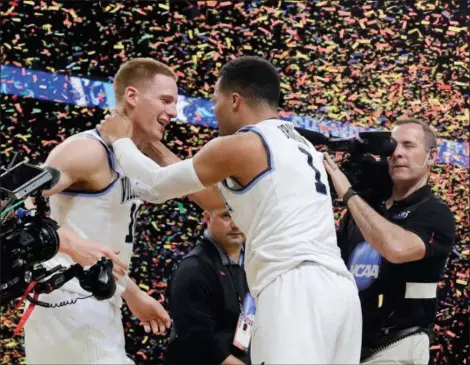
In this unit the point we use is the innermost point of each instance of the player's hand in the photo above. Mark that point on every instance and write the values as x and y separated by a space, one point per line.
340 181
86 252
115 126
150 312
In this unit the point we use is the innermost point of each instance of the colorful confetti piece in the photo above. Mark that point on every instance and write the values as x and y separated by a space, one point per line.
363 65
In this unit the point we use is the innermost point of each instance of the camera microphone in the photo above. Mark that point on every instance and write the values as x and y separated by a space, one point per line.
315 138
424 163
378 143
55 174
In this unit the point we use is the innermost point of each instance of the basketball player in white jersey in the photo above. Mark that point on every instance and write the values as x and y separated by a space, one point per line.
275 187
94 200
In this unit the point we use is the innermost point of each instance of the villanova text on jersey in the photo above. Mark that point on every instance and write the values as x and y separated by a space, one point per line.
127 192
290 132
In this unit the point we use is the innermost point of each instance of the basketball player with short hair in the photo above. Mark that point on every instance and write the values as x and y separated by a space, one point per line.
275 187
95 200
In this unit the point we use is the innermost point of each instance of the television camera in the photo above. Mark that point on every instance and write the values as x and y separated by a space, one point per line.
29 238
364 160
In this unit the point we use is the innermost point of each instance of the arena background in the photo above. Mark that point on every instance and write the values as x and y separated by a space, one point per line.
345 66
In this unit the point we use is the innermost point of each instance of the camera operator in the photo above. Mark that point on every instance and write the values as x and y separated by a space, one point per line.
397 249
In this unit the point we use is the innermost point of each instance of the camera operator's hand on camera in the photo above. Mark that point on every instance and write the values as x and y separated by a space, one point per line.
340 181
115 126
86 252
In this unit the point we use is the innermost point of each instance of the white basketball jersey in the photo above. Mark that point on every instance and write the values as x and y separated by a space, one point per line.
286 212
107 216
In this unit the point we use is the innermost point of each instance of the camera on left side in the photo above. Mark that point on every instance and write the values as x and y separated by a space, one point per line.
27 238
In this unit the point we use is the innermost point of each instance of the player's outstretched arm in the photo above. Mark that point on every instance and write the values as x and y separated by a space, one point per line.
207 199
220 158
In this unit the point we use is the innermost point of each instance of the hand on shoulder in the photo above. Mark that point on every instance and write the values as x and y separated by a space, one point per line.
115 126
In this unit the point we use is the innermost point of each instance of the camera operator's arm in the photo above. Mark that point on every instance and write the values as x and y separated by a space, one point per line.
392 242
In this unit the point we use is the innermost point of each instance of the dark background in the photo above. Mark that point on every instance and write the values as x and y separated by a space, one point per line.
365 63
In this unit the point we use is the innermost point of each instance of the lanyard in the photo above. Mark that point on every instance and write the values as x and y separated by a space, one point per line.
234 284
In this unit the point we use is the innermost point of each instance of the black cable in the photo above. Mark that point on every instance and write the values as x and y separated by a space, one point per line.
56 305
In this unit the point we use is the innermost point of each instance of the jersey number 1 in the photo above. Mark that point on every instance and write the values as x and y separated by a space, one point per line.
321 188
130 235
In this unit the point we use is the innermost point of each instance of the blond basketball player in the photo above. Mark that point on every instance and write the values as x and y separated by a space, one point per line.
95 200
275 187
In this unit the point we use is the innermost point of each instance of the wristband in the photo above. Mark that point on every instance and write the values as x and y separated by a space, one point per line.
348 195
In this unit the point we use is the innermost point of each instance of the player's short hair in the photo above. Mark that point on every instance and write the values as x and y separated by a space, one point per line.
137 71
430 138
254 78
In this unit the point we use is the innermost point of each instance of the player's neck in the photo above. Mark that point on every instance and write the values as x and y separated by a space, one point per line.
139 140
255 116
137 137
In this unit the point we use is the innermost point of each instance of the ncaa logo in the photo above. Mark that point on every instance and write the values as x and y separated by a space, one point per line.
364 264
402 215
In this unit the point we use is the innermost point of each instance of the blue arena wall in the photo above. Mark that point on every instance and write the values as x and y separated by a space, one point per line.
89 93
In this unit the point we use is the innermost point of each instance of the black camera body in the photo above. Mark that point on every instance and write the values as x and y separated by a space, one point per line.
364 160
27 240
24 243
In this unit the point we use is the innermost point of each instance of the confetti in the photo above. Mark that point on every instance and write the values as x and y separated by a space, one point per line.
363 65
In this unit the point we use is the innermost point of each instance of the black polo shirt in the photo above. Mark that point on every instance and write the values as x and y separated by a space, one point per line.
398 296
204 294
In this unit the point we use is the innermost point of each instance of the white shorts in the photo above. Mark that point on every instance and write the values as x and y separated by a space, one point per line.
87 332
308 315
410 350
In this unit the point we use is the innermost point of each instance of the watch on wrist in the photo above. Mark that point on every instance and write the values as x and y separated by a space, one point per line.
348 195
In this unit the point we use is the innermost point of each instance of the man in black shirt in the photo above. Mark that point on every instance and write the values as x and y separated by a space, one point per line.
397 249
205 297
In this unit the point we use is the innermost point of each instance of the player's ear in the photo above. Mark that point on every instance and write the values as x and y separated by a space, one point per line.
236 99
130 95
